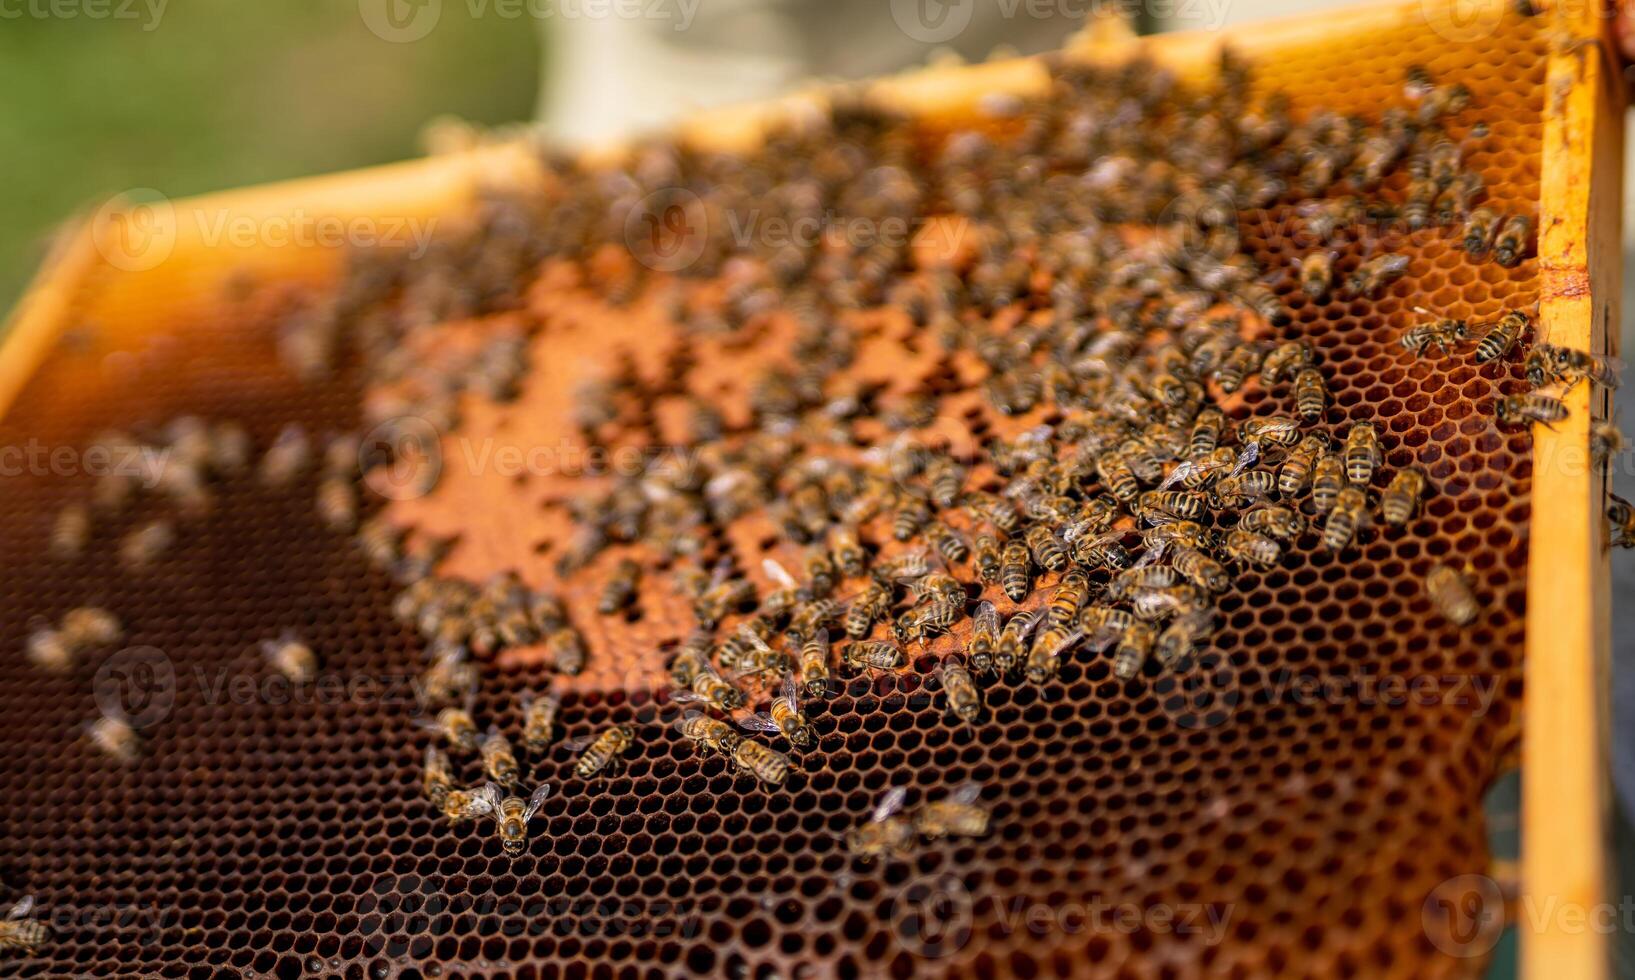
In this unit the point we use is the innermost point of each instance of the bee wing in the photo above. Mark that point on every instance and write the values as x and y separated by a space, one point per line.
685 697
760 721
1076 530
1246 459
429 724
889 804
435 759
965 794
778 574
1153 553
583 741
535 801
789 691
1185 469
485 800
24 906
526 698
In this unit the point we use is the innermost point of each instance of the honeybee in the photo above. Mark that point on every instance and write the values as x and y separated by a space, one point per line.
1135 643
1251 548
1477 237
1279 522
1181 504
1401 498
1187 534
1297 467
1572 366
21 934
566 649
1530 407
812 616
1444 333
620 588
1621 515
1310 394
1362 453
437 777
712 689
1012 647
499 762
767 765
784 718
1284 361
451 677
937 614
146 544
988 559
1512 241
874 655
911 515
1046 548
723 598
1374 275
981 645
1240 490
454 725
1327 479
90 626
995 510
1451 595
290 453
1180 638
814 664
47 649
846 550
1156 605
290 657
71 532
1274 429
955 815
605 751
946 479
868 606
1501 337
906 567
1316 274
1140 577
1105 549
1243 361
1202 570
964 700
115 737
1605 442
1117 476
886 834
1049 643
1016 570
337 504
1206 431
707 732
1349 515
511 813
1421 197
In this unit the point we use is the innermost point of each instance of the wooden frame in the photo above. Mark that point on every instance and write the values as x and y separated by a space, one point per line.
1564 754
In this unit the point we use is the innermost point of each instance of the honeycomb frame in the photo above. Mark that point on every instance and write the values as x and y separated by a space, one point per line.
1565 651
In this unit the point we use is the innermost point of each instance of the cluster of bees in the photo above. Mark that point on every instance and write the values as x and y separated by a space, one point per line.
1126 489
1134 487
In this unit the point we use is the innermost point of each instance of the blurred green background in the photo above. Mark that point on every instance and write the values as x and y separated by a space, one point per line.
221 93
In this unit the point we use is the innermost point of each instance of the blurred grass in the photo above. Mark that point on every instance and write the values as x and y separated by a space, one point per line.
223 93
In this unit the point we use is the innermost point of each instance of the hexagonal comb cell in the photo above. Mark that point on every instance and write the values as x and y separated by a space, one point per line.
1240 818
